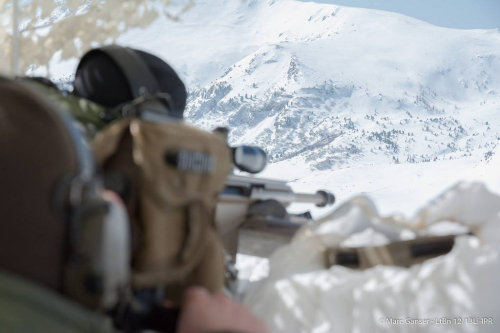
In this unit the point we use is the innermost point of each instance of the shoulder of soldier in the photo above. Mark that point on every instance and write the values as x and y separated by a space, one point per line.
27 307
91 116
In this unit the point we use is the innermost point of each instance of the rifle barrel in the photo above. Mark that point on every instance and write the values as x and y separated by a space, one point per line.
320 198
244 188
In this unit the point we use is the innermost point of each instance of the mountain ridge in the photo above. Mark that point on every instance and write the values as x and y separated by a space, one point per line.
336 86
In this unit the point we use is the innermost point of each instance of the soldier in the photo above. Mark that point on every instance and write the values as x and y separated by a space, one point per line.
64 242
58 229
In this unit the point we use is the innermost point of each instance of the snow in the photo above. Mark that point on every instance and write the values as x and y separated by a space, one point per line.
302 295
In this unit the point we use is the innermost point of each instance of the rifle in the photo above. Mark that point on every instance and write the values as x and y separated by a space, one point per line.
251 214
252 218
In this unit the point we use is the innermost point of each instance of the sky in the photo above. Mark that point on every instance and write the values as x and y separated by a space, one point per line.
461 14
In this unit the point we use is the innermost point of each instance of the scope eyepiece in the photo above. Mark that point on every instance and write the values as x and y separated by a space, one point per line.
328 198
249 158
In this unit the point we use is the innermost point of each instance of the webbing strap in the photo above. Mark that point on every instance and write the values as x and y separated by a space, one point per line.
401 253
138 75
193 250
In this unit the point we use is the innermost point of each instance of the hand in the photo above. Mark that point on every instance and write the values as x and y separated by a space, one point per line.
202 312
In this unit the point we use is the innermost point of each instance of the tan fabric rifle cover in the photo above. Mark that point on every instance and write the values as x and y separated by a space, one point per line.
175 243
397 253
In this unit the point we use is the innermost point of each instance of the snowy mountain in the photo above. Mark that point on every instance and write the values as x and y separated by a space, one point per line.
335 86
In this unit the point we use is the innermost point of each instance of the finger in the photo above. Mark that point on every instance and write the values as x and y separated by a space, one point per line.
195 294
221 298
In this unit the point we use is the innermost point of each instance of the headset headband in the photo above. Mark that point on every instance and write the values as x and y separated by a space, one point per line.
83 181
85 160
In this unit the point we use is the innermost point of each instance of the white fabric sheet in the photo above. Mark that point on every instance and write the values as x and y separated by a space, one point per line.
456 292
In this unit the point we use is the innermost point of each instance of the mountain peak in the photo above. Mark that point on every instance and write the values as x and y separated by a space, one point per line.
334 86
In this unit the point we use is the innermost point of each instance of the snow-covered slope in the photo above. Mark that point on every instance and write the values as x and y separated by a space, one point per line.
334 86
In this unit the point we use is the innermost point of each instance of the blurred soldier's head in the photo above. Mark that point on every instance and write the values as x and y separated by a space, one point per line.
36 152
56 229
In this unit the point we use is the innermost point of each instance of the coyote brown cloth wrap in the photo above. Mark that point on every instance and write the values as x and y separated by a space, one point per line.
171 206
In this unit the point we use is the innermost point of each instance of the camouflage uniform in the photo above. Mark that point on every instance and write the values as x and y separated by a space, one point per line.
26 307
89 115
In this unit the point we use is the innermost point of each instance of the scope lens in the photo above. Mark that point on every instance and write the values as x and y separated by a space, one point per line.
249 159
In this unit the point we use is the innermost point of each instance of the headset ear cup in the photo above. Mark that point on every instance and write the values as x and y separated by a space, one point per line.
98 271
115 252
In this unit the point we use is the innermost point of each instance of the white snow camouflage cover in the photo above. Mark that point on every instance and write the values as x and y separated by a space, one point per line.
456 292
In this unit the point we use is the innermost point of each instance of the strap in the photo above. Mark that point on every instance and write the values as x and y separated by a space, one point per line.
193 249
138 75
86 163
401 253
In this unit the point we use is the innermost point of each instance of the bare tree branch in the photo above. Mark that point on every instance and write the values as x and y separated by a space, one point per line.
69 27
